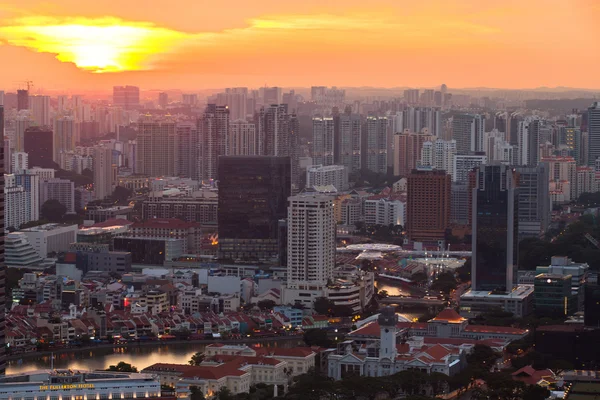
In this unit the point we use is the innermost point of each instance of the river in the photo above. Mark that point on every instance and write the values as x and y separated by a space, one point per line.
140 357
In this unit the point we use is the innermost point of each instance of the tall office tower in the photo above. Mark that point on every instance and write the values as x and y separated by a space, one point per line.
411 96
189 99
1 120
459 204
22 100
407 151
533 143
534 203
376 131
442 155
291 100
504 152
65 136
187 150
571 138
467 130
593 123
512 126
316 92
438 98
163 100
253 192
495 229
311 241
20 162
463 164
323 141
126 97
2 265
104 178
272 126
156 147
62 190
63 104
428 204
40 109
22 122
271 95
39 146
350 132
31 184
213 130
294 154
489 142
236 100
427 98
418 118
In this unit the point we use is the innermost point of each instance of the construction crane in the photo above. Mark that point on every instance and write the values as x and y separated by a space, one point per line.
28 83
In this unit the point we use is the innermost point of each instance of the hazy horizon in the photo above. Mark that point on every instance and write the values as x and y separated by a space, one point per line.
69 44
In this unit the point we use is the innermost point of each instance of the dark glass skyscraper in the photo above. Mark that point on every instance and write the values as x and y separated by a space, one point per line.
495 228
38 144
253 193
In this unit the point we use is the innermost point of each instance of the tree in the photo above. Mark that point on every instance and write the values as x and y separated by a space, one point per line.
419 277
224 394
445 282
196 359
122 367
323 306
266 304
53 210
121 195
383 294
482 356
196 393
316 337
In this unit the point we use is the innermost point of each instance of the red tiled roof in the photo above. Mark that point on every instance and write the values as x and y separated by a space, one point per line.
281 352
530 376
449 315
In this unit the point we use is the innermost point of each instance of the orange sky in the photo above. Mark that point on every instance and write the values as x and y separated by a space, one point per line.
194 44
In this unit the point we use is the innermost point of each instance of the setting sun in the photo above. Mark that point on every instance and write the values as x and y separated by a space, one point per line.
97 45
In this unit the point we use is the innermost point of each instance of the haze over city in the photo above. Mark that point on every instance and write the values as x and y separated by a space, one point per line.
75 45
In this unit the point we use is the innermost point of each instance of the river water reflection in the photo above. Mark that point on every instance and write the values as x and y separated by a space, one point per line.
140 357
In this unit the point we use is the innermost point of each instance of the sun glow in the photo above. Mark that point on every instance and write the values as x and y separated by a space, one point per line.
97 45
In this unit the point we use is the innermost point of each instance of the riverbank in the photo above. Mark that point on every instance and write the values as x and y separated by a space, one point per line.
154 343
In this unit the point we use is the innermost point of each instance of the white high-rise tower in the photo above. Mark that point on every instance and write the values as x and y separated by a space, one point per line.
311 241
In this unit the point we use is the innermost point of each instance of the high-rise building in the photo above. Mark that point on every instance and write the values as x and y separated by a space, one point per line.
465 163
242 138
62 190
533 197
3 292
22 99
428 204
529 142
253 192
65 136
156 147
407 151
593 121
213 131
236 100
187 150
411 96
495 229
323 141
126 97
271 95
163 100
467 130
104 173
311 241
31 185
22 123
39 146
439 155
20 162
335 175
40 109
376 144
416 119
460 204
272 127
350 132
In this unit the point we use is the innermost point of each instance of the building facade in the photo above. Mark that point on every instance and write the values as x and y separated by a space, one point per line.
428 204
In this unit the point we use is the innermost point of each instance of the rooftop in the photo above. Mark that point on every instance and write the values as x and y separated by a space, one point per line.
520 292
47 227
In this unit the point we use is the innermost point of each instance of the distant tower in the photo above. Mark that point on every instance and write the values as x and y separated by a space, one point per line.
387 322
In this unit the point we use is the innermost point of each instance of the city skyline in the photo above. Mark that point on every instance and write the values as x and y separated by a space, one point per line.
67 44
